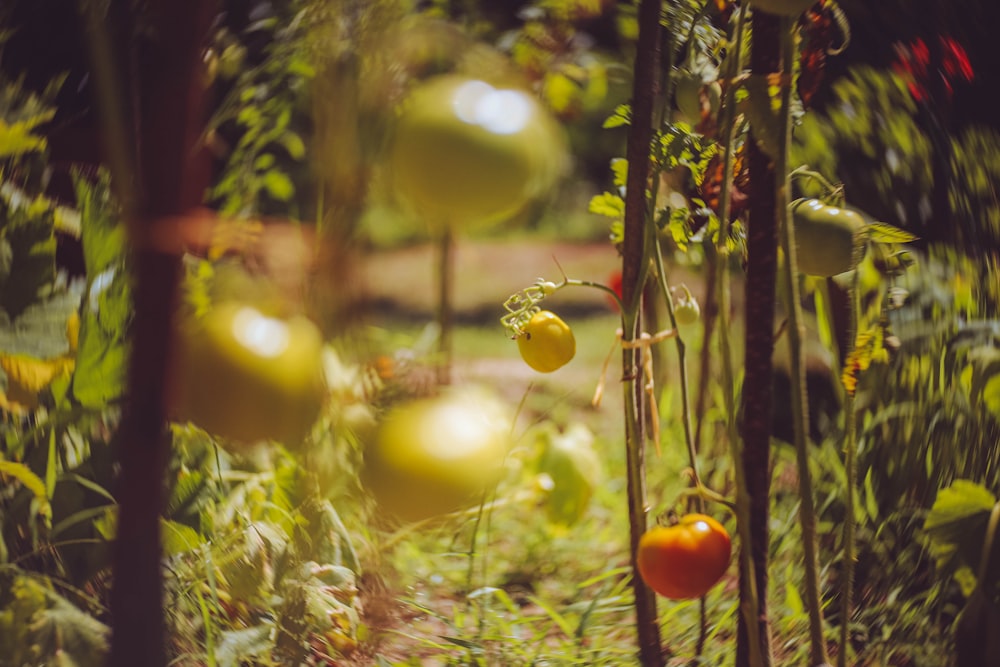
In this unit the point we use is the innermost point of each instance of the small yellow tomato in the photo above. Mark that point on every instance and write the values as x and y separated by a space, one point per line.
546 343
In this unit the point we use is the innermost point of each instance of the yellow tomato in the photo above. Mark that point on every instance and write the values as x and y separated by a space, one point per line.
246 376
467 153
547 343
437 455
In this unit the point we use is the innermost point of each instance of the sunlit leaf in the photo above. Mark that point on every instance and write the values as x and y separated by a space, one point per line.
621 116
607 204
882 232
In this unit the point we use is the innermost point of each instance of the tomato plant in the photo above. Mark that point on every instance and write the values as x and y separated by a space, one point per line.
685 560
546 343
247 376
437 455
466 152
824 237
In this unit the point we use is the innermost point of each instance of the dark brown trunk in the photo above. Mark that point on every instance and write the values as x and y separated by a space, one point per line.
172 177
762 264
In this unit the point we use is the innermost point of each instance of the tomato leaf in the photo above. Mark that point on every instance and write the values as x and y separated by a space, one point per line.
956 526
607 204
621 116
881 232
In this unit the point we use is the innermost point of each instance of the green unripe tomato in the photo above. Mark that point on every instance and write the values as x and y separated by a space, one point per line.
783 7
246 376
574 472
437 455
547 343
687 95
466 153
687 311
824 237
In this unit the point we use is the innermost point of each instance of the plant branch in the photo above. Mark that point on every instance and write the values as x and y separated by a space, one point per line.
796 334
635 265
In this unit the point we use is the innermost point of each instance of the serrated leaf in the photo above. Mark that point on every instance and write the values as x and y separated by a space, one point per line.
28 377
882 232
619 171
622 116
607 204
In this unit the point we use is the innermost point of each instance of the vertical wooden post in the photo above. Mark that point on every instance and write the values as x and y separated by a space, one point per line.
170 179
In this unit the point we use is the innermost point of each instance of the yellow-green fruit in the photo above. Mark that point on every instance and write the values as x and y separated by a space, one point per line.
824 237
437 455
546 343
783 7
687 95
467 153
574 471
246 376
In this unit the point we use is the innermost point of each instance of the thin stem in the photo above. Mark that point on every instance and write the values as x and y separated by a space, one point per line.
724 299
850 469
796 334
446 306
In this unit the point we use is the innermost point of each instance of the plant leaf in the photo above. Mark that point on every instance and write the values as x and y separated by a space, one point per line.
881 232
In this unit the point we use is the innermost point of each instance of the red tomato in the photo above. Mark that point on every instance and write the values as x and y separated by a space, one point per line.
685 560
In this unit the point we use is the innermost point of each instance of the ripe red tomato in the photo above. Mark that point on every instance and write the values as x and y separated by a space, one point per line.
685 560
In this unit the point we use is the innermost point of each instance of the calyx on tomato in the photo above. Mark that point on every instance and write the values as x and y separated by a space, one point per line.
546 343
685 560
467 153
824 237
432 456
247 376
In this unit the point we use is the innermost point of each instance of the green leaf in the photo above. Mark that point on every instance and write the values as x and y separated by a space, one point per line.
881 232
619 169
25 476
621 116
101 232
607 204
178 538
101 364
956 526
279 185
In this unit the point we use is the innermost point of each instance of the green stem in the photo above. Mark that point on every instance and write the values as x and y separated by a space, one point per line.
796 334
446 306
850 469
724 300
